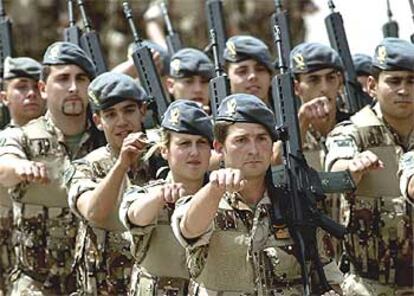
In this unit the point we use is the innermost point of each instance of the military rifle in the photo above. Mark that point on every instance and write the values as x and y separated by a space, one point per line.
355 97
6 42
298 186
219 86
280 18
215 21
147 71
412 14
172 38
390 28
72 33
90 43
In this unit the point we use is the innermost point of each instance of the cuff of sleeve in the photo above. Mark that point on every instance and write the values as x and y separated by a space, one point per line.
74 193
181 208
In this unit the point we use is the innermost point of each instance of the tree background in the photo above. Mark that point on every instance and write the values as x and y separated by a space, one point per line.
38 23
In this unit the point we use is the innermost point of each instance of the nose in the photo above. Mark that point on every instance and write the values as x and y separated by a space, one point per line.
252 75
32 94
253 149
194 149
73 86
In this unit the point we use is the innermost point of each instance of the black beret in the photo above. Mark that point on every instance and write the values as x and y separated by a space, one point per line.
244 47
111 88
191 61
21 67
310 57
66 53
394 54
184 116
247 108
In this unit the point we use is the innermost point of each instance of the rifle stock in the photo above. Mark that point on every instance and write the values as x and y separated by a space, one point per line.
299 185
90 42
147 71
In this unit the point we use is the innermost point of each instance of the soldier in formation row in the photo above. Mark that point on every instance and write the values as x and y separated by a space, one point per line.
91 219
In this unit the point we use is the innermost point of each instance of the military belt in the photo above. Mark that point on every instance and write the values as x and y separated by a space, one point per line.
165 285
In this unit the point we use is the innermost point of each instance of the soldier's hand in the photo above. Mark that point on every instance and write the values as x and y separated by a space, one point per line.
170 193
157 61
315 110
132 148
227 180
32 171
363 163
331 293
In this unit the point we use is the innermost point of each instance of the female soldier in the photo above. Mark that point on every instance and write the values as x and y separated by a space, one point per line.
186 138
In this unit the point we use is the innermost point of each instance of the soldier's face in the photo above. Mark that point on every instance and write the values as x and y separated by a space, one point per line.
321 83
118 121
394 91
248 147
66 90
194 88
250 77
22 98
188 156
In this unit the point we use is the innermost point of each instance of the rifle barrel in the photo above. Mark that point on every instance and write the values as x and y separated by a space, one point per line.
166 18
84 17
130 19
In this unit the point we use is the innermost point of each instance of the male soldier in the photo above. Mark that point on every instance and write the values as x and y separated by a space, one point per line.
363 64
226 225
96 182
32 159
249 66
379 242
190 72
318 71
22 98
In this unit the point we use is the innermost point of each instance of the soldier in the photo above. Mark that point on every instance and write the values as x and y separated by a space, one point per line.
249 66
318 81
363 64
96 182
22 98
379 242
186 141
32 159
190 72
226 225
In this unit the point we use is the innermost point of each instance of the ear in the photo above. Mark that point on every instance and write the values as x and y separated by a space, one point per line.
42 89
218 148
169 83
296 87
143 110
97 121
164 152
3 98
372 86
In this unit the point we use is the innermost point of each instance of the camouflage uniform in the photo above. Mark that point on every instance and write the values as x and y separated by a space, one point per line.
7 258
44 228
379 220
240 240
152 246
102 258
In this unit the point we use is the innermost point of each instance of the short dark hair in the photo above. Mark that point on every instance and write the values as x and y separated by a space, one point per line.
44 74
221 130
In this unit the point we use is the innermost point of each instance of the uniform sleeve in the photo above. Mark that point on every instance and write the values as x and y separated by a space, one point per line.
79 178
406 171
341 143
128 199
12 143
181 207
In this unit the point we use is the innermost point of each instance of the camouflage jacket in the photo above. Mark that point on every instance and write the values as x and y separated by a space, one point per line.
379 219
44 227
240 253
160 257
103 258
